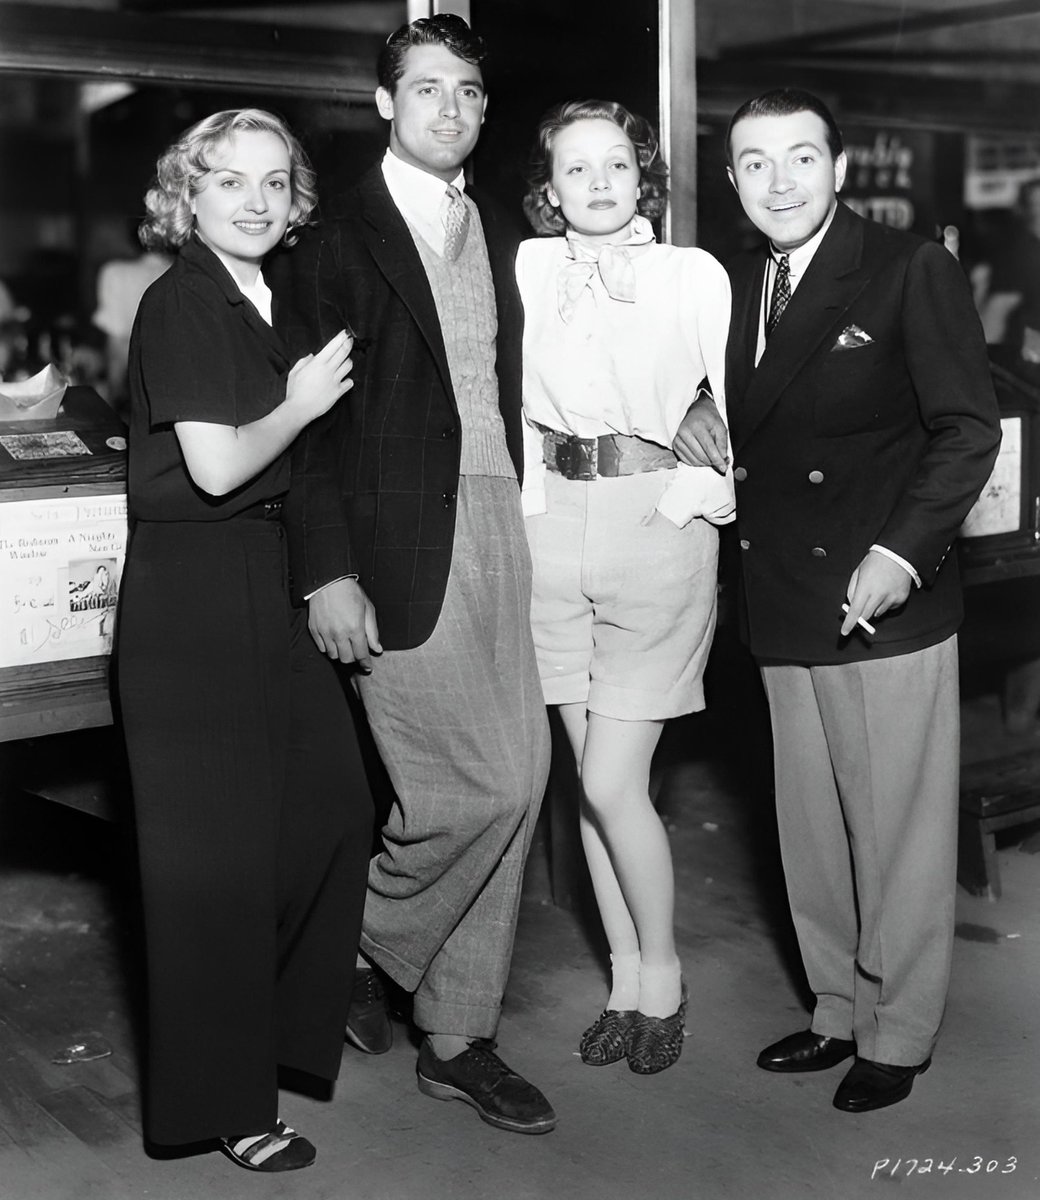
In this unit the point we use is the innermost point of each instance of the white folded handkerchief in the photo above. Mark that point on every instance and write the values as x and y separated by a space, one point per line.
851 338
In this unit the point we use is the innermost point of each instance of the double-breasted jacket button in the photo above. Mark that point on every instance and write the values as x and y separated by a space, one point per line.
745 544
818 552
740 474
816 477
449 499
449 432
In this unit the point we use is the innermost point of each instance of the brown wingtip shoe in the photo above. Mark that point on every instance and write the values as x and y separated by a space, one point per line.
479 1078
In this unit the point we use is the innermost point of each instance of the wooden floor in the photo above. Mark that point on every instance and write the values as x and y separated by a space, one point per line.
711 1128
76 1126
66 1130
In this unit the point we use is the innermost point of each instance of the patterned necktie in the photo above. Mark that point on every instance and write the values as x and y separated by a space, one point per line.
781 293
456 224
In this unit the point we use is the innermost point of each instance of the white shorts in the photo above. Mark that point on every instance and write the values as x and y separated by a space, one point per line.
623 610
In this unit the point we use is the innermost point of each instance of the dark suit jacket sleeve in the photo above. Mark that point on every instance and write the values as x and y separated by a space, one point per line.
946 358
315 513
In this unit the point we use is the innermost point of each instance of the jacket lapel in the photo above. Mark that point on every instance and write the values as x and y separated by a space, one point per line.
389 241
833 280
200 256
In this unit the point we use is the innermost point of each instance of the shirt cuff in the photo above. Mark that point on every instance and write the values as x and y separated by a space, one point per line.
901 561
329 584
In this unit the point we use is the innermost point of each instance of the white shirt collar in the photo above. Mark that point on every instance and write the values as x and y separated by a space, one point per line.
260 295
421 198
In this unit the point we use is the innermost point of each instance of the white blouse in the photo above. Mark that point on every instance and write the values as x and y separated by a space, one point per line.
629 368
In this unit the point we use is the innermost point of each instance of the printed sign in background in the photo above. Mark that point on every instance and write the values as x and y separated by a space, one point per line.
907 178
60 565
999 507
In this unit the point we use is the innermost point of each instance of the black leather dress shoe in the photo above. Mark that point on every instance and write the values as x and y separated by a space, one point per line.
482 1080
871 1085
368 1026
805 1051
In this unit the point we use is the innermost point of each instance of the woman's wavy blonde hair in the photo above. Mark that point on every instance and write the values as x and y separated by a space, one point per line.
181 171
653 172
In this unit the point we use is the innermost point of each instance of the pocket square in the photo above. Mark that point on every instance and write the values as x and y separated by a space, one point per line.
851 338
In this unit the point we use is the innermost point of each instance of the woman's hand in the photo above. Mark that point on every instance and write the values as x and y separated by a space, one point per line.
316 382
221 458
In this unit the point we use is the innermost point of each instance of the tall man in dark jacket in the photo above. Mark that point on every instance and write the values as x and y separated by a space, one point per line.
863 425
406 538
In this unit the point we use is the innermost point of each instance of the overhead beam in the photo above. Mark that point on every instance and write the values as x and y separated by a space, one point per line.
43 39
975 14
911 99
906 57
172 7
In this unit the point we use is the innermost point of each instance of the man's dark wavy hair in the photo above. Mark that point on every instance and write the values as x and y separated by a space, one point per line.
785 102
445 29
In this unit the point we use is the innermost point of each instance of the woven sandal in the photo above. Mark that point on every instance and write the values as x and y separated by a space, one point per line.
654 1043
280 1149
604 1041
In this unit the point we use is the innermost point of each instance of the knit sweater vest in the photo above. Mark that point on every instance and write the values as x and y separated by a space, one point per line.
464 294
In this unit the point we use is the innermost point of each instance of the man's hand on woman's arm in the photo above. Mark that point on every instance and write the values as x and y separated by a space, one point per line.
702 439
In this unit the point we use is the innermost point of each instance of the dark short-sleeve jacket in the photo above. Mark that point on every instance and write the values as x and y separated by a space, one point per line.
199 351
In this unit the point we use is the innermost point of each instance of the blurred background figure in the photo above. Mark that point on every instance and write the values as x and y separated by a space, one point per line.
1010 311
120 285
13 339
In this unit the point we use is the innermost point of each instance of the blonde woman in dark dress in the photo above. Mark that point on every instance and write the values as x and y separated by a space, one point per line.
253 816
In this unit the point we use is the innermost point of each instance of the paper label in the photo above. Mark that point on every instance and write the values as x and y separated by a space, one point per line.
60 564
999 507
62 444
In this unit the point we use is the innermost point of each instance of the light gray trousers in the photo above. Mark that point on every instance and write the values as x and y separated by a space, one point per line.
461 726
867 760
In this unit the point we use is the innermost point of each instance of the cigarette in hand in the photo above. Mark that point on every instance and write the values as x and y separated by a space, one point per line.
859 621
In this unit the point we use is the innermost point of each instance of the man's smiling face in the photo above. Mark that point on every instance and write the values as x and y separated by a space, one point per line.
785 176
436 110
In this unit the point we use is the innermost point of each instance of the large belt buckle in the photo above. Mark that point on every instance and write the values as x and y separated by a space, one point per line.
576 458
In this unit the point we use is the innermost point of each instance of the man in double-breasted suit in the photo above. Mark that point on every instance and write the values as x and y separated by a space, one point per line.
407 540
863 425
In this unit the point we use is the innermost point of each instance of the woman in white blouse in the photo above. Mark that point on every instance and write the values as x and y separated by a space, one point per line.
619 333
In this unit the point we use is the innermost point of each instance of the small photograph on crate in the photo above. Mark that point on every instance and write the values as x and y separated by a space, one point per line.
91 588
92 584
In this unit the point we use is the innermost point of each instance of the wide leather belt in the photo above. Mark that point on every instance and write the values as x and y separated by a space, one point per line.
609 455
